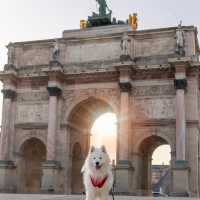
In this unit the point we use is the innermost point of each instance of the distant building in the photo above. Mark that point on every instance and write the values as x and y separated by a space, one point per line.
160 178
158 171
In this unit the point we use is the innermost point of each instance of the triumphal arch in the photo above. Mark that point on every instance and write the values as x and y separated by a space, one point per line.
54 89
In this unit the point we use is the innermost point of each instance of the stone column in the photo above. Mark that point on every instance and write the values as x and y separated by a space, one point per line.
180 169
8 96
124 121
124 170
180 85
54 93
51 167
6 165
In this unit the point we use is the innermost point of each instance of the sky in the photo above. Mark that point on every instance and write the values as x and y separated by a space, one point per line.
23 20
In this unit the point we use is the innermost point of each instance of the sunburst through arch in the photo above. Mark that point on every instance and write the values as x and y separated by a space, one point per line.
104 132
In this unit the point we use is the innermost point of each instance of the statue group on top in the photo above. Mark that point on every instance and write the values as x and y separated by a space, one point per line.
104 17
103 7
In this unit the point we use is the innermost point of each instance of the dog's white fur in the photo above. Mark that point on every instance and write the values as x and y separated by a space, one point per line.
89 170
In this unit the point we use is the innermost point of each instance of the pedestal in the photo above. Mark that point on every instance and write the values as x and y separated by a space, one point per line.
123 177
180 179
50 179
7 177
126 59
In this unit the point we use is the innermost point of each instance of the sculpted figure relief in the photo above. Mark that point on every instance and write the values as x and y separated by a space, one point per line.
56 51
11 55
125 45
180 41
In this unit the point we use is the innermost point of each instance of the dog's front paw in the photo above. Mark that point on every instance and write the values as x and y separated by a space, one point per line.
90 196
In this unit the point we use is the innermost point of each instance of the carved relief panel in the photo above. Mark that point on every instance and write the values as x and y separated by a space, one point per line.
153 102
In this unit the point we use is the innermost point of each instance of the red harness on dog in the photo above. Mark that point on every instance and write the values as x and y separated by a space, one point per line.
98 183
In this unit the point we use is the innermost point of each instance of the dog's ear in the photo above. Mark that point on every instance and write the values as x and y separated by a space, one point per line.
103 148
92 149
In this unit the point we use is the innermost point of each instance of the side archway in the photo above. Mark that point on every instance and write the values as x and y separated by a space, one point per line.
32 155
144 163
77 160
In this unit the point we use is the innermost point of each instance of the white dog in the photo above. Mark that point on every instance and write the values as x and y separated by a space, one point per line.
97 174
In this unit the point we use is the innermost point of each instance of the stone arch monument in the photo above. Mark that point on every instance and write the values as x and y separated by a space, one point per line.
151 87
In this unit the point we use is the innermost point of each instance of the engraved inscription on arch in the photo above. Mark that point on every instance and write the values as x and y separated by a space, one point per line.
156 90
32 113
32 96
154 108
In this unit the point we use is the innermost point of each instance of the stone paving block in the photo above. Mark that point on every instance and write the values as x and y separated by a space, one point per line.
75 197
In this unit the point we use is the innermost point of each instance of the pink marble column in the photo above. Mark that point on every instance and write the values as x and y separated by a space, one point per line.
124 123
6 125
54 92
180 124
180 85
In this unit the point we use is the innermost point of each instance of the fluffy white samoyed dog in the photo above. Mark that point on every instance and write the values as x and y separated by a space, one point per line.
97 174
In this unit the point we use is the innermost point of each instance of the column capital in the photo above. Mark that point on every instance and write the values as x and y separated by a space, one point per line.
8 93
125 86
180 84
54 91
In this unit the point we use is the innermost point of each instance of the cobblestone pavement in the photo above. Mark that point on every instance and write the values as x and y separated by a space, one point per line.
67 197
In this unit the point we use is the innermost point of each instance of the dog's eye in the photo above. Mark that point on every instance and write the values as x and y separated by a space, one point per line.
94 158
100 158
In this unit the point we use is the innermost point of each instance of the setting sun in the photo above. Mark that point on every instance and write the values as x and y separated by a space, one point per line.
104 132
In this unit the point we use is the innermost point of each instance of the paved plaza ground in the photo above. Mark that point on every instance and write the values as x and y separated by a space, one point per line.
69 197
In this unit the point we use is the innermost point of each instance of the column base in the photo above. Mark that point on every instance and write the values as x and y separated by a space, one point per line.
180 179
123 177
55 63
125 58
50 178
7 176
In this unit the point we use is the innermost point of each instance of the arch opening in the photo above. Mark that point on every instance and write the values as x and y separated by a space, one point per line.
81 124
32 155
155 170
161 160
104 132
77 161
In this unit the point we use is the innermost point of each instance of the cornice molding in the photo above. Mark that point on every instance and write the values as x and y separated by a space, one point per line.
161 122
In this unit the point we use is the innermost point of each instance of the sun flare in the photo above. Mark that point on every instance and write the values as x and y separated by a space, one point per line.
104 132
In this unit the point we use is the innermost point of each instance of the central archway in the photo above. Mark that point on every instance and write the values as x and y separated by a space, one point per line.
80 123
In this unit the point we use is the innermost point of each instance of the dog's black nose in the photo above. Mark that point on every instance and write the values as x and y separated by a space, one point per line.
97 163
